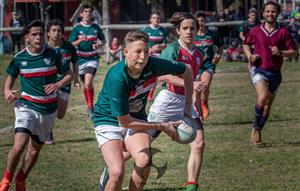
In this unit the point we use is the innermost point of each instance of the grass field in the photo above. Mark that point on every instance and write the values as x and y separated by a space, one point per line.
230 163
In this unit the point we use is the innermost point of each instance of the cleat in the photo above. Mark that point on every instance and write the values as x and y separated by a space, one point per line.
4 184
103 179
256 137
90 112
205 109
20 185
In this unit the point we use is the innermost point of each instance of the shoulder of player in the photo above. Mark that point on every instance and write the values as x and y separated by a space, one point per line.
20 53
117 72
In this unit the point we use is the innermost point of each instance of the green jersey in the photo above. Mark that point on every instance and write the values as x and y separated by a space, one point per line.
36 71
156 35
122 95
247 26
92 33
206 43
69 55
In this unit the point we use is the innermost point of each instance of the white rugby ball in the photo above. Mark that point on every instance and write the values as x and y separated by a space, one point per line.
186 131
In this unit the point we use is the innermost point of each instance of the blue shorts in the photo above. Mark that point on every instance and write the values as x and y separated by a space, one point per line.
273 78
207 66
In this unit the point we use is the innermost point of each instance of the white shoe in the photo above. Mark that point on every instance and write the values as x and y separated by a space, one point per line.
103 179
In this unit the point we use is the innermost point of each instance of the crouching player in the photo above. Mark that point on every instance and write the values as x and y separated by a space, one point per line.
35 110
120 118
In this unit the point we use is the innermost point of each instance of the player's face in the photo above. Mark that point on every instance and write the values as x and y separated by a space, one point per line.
252 16
35 38
87 15
187 31
201 22
55 33
270 13
137 55
154 20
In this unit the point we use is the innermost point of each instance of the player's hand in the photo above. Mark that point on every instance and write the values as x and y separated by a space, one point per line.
96 46
51 88
216 59
253 58
199 86
170 129
275 50
10 95
82 38
77 85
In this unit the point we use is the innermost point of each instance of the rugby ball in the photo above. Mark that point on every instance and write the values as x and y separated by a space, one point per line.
186 131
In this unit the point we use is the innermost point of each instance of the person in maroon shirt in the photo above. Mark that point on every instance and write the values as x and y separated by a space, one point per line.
272 42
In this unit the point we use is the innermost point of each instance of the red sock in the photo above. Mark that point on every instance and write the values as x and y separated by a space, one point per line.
192 183
21 175
8 175
89 96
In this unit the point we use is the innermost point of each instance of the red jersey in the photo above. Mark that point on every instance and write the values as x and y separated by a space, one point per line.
262 40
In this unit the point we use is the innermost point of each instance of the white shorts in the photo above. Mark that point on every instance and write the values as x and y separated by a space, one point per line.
168 105
255 77
37 125
89 63
63 95
106 133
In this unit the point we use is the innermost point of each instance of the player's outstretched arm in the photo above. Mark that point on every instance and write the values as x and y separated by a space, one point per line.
9 93
129 122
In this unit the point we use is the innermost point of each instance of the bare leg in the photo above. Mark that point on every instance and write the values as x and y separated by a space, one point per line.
138 146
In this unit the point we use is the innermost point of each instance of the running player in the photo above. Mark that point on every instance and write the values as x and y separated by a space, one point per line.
206 40
35 110
157 40
272 43
88 38
170 102
247 25
120 118
55 30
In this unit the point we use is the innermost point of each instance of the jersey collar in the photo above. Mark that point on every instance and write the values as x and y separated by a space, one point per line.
269 34
35 54
185 48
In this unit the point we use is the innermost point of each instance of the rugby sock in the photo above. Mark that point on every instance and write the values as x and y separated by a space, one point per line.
21 176
8 175
191 186
258 116
89 97
263 121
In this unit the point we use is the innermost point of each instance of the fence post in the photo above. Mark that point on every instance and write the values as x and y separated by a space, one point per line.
2 26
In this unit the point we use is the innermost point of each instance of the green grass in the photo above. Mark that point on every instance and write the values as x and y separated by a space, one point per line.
230 163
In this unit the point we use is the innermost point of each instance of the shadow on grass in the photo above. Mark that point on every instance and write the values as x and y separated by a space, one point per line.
76 140
59 142
164 189
249 122
283 144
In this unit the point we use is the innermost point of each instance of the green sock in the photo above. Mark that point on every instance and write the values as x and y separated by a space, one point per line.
191 187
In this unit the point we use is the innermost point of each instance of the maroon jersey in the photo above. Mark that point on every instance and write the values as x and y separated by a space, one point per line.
262 40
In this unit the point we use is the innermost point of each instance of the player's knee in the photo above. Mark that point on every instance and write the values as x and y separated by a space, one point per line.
17 150
116 174
33 152
143 161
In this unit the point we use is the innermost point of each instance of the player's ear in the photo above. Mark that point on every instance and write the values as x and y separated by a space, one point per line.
178 30
125 51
